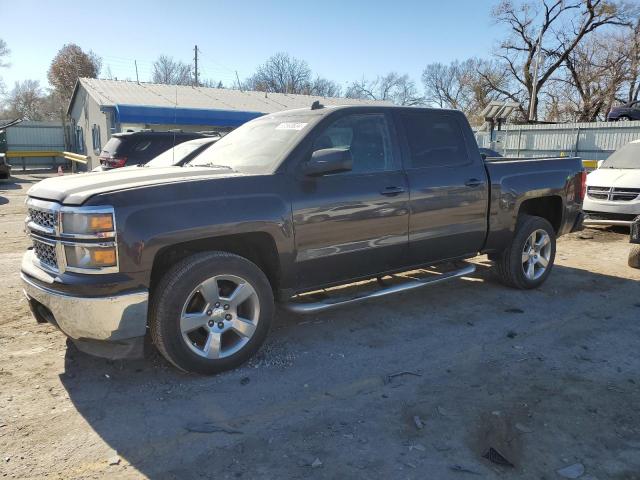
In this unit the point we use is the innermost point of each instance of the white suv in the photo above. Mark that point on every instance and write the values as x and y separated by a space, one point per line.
613 190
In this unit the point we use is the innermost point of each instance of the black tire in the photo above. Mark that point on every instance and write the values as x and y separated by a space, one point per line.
173 290
634 256
508 263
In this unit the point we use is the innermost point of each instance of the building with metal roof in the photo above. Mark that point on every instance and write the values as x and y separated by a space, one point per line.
99 108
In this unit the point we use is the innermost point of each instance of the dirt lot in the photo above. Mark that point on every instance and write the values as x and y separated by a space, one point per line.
547 378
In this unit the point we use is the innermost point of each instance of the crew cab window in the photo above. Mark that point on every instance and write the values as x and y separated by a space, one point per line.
366 136
435 140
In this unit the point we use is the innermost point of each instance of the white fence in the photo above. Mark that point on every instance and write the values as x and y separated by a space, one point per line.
590 141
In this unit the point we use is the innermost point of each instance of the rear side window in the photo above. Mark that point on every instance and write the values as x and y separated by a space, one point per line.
435 140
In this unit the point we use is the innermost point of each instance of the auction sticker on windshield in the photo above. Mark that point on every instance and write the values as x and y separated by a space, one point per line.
291 126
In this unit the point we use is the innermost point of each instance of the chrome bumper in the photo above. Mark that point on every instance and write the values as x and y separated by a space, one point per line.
112 318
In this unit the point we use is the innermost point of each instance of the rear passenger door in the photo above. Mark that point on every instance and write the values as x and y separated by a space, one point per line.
447 183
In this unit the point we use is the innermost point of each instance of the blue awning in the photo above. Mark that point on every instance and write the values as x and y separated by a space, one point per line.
182 116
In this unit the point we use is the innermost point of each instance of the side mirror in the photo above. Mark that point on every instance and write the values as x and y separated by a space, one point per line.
484 156
328 160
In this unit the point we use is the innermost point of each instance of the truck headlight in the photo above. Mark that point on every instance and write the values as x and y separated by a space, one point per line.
89 223
90 256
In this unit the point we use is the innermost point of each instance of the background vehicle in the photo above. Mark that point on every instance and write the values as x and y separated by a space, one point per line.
5 168
634 238
137 148
488 153
183 153
204 251
613 190
628 111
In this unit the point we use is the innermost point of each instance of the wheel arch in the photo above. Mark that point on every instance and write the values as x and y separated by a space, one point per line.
257 247
549 207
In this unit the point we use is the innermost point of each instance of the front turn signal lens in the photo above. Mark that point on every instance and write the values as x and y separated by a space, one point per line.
101 222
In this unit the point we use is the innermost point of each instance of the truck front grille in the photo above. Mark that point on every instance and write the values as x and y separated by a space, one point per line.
43 218
45 253
613 194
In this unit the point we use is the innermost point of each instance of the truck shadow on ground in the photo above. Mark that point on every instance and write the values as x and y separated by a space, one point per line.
256 420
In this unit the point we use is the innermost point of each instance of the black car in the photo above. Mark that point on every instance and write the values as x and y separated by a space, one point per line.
5 168
628 111
137 148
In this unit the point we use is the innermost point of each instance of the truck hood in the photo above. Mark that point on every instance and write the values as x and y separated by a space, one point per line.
612 177
77 189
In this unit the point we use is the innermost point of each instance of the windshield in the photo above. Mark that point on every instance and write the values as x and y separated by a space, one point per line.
258 146
627 157
177 153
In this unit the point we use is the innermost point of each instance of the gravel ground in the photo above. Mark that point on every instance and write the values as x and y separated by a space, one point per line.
421 385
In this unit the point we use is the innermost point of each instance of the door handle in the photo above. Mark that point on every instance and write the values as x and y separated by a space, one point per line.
392 191
473 182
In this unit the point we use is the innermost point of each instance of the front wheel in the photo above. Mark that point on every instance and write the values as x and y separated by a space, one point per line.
211 312
527 261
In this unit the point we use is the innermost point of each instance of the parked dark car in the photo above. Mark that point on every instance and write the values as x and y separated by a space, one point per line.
628 111
488 153
5 167
282 207
137 148
634 238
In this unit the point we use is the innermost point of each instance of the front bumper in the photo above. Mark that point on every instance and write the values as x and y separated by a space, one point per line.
112 318
603 212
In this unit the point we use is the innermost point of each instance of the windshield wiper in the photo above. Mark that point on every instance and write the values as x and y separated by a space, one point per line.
211 165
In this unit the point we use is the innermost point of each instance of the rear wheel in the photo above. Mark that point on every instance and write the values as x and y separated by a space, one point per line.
211 312
528 260
634 256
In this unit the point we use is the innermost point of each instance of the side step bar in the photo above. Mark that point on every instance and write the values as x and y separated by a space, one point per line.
328 303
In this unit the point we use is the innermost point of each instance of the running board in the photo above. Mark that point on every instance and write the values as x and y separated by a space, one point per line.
411 283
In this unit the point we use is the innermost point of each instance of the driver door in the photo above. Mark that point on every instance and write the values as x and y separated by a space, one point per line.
352 224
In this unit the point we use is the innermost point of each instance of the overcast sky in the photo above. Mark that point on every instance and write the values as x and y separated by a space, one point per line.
341 40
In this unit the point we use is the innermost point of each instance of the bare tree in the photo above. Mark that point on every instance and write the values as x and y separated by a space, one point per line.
630 43
69 64
4 52
556 27
596 70
467 86
399 89
281 73
28 100
168 71
323 87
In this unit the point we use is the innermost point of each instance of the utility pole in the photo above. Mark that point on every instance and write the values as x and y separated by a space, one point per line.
534 91
195 59
135 62
238 78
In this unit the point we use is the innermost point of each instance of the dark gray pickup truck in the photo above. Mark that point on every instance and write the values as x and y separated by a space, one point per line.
286 205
